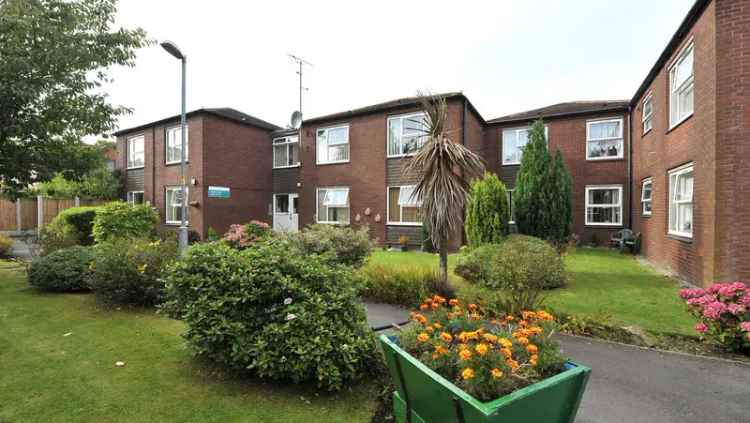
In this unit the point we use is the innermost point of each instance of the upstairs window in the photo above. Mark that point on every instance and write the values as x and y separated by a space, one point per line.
681 82
647 119
403 206
604 139
333 144
646 193
514 140
406 134
285 152
681 201
604 205
136 152
333 205
174 144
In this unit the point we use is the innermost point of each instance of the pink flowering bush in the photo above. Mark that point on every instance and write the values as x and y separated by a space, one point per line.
242 236
723 311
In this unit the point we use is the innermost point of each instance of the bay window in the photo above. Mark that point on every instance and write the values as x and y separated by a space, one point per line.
681 87
604 139
174 144
604 205
136 152
406 134
333 205
681 201
285 152
333 144
173 205
403 206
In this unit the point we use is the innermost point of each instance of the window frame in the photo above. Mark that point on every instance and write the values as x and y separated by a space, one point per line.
674 121
317 144
167 206
587 205
169 129
677 172
128 143
650 199
390 222
517 130
649 99
402 117
317 205
621 154
129 199
288 145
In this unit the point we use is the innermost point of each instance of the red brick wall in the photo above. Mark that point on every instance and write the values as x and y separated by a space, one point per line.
662 149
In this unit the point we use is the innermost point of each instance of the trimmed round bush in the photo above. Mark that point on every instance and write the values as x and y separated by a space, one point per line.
73 226
61 271
279 314
129 271
518 261
340 244
122 220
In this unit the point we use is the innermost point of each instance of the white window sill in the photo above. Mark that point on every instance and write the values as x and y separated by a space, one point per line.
176 162
646 132
170 223
332 223
644 214
286 167
399 156
601 159
511 163
136 167
331 163
677 123
687 235
415 224
613 224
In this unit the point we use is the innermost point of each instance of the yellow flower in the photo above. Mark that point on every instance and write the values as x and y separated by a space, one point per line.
532 349
142 268
429 329
506 352
423 337
462 347
468 373
512 363
533 360
440 350
445 336
505 343
464 354
543 315
490 338
522 340
536 330
496 373
437 325
528 315
482 349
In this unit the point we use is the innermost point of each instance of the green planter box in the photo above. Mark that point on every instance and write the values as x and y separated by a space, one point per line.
433 399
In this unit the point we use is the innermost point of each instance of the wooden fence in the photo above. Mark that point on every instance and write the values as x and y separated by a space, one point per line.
31 214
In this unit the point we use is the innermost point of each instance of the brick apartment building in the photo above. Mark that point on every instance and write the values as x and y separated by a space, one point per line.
670 163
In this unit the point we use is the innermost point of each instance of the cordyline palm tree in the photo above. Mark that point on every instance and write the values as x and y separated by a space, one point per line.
444 171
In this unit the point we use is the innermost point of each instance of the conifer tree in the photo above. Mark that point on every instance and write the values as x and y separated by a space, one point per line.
487 212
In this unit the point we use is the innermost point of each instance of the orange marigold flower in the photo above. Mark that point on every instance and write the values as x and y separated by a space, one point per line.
468 336
464 354
541 314
434 356
506 352
428 300
505 343
445 336
435 305
533 360
438 299
481 349
496 373
429 329
523 323
423 307
509 318
468 373
522 340
512 363
472 307
490 338
528 315
441 350
453 302
475 316
437 325
462 347
536 330
423 337
532 349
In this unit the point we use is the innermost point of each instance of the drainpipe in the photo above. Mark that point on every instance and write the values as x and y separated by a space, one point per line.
630 167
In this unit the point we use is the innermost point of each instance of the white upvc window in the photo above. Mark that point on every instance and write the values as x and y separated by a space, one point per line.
174 144
135 197
511 209
604 139
404 208
647 120
681 201
286 152
333 205
604 205
332 144
514 140
136 152
681 87
646 196
406 134
173 205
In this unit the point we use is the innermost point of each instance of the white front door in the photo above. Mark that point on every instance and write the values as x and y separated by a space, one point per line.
285 214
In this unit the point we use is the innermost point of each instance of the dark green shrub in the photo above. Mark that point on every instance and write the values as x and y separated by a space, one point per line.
62 270
5 244
123 220
487 213
129 271
402 285
280 314
343 245
70 227
427 245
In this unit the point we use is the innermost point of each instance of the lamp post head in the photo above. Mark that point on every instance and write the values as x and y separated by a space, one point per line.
172 49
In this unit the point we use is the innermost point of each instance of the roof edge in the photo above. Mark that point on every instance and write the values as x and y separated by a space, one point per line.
207 111
612 108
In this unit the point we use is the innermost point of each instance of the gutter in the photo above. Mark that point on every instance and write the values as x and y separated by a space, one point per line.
630 166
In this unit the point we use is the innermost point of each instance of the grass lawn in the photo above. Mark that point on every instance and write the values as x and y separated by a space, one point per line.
603 284
57 355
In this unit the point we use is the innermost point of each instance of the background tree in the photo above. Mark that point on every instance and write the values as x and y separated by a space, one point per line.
54 56
444 171
487 212
542 197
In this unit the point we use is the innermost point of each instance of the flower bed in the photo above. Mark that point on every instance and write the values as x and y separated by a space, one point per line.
723 313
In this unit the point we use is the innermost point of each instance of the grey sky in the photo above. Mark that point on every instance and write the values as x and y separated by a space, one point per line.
506 56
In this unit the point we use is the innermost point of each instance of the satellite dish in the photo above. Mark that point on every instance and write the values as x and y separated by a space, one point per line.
296 119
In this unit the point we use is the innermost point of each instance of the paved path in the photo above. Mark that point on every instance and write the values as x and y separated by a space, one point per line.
632 385
383 316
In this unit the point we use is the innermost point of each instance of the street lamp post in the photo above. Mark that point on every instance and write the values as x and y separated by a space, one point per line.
172 49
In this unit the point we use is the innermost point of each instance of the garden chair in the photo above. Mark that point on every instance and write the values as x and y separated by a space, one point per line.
622 239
